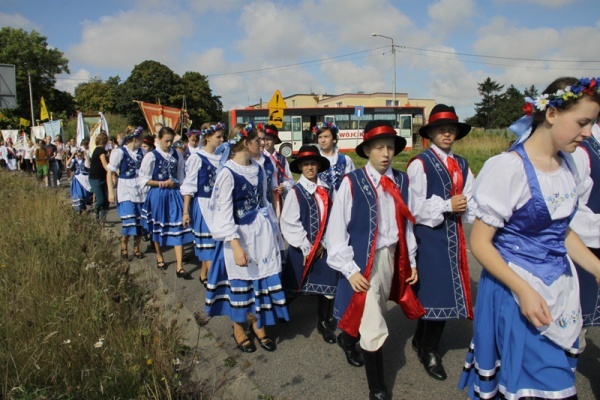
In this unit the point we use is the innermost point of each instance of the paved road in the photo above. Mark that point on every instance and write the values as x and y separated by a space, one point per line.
305 367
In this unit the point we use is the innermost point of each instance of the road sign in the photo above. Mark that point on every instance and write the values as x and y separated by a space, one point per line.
277 101
276 117
359 111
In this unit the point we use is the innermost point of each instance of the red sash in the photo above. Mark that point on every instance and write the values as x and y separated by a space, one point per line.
322 193
457 188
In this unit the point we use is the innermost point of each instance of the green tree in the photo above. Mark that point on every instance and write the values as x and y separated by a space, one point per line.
509 108
202 105
489 91
31 54
531 91
96 95
151 82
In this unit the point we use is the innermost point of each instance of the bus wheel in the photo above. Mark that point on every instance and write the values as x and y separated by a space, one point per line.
286 150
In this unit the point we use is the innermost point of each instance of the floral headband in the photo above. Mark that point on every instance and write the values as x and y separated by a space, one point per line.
213 128
193 132
557 100
133 135
522 126
243 133
323 126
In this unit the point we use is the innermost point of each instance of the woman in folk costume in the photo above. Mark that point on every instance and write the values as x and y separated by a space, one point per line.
163 169
244 282
326 134
370 242
267 164
586 224
284 177
193 141
441 187
81 191
201 172
527 315
124 165
303 223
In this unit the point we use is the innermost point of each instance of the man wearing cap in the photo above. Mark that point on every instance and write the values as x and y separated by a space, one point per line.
303 223
370 242
441 188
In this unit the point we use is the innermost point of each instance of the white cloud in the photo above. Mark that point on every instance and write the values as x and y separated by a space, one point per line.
18 21
450 15
544 3
128 38
67 83
202 6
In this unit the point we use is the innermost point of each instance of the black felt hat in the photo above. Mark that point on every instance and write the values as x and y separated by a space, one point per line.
378 130
308 152
442 114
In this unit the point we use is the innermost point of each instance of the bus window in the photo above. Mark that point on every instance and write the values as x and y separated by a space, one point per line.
405 123
329 118
342 121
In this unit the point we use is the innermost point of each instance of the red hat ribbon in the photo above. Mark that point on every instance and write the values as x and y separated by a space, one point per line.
443 115
271 132
307 154
378 131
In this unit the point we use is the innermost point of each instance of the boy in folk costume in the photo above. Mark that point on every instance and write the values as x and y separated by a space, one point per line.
370 241
303 223
441 186
285 179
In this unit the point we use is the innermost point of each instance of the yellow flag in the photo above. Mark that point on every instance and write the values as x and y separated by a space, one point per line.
24 122
43 110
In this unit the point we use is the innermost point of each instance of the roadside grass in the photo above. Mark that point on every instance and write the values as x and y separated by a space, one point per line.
73 325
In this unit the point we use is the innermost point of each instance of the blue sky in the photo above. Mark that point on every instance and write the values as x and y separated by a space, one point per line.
285 39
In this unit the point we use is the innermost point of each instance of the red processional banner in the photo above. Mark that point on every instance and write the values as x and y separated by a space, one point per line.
157 113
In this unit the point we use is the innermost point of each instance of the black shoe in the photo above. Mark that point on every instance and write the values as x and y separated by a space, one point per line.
246 345
433 364
325 331
182 273
352 355
378 396
266 343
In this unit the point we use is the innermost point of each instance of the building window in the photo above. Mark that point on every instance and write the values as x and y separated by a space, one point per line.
388 103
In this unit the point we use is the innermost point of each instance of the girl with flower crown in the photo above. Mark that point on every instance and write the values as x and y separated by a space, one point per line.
243 281
201 171
527 315
162 170
326 134
81 191
124 165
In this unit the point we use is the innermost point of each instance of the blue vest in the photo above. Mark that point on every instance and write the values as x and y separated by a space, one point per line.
247 198
593 149
530 238
281 160
206 177
362 227
269 169
129 167
439 287
309 211
79 168
334 174
164 169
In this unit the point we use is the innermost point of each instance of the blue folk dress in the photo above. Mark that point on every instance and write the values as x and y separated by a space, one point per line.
126 164
339 165
201 172
163 209
81 191
508 357
240 211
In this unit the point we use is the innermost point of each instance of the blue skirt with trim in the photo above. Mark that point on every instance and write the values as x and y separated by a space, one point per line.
131 218
321 278
80 197
204 244
508 358
161 217
264 298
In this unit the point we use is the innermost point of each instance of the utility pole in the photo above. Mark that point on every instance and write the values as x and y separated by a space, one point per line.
394 66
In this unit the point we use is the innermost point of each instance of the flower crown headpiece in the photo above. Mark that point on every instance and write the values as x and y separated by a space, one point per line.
260 127
243 133
522 126
193 132
213 128
133 135
560 97
326 126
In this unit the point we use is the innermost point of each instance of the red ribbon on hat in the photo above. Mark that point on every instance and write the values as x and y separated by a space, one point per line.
307 154
378 131
271 132
443 115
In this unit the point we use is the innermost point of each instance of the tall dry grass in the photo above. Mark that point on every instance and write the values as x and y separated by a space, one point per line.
73 325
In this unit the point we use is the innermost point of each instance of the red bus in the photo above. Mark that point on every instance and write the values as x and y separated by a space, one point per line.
298 123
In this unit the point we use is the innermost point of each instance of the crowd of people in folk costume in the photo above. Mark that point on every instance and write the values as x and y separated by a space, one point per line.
359 237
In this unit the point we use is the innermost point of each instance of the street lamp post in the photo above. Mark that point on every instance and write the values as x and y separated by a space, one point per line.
394 71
